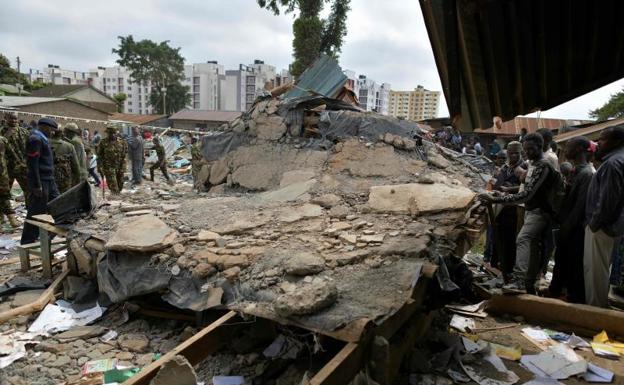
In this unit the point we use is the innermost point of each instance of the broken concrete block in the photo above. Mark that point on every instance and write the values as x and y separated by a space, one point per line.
138 212
306 299
203 175
134 342
229 261
144 233
270 127
168 208
304 264
219 172
203 270
327 200
347 258
205 235
175 371
232 273
349 238
177 250
377 238
84 260
340 211
296 176
408 246
416 198
293 214
340 226
292 192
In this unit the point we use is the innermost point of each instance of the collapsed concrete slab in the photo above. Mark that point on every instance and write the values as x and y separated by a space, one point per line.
418 198
144 233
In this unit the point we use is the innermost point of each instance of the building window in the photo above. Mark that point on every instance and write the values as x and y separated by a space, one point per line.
195 88
129 102
196 104
140 105
196 80
129 109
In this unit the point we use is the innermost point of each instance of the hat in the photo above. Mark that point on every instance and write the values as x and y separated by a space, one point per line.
47 122
514 146
73 127
112 127
501 154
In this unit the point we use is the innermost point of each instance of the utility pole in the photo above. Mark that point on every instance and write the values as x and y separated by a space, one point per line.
164 91
19 85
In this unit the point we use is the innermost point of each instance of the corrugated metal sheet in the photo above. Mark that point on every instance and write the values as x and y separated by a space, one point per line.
592 132
205 115
323 77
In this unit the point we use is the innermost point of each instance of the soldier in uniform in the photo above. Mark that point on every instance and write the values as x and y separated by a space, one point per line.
161 162
15 151
197 161
5 189
72 133
66 168
111 155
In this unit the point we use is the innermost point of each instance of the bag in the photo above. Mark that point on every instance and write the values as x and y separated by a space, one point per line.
557 191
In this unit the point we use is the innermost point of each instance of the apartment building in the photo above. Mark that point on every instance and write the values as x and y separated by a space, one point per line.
373 96
113 80
415 105
54 74
204 82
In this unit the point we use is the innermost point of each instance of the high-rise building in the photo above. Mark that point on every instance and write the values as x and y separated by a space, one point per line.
204 82
114 80
414 105
373 96
241 87
53 74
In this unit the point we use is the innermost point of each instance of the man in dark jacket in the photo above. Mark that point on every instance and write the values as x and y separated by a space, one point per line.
568 271
537 216
40 175
604 215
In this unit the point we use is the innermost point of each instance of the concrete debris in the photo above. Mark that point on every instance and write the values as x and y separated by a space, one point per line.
304 264
175 371
143 234
307 299
416 198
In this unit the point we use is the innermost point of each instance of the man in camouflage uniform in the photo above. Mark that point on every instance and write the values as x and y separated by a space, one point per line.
161 162
197 161
5 189
15 151
111 155
72 133
66 169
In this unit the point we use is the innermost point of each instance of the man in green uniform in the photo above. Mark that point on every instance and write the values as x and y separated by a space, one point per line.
161 162
66 169
197 161
15 151
111 155
72 133
5 189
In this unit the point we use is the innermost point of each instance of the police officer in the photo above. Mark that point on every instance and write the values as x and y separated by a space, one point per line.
111 155
161 163
66 168
15 151
72 133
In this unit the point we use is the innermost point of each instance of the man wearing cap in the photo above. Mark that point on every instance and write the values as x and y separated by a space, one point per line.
66 168
15 152
72 133
40 175
111 155
135 152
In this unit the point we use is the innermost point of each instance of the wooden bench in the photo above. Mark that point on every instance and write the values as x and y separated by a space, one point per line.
44 248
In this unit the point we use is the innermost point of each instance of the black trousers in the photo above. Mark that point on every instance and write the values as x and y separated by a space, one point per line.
568 270
505 232
38 205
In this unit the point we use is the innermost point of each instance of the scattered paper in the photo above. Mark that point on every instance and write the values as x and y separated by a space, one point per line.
462 324
506 352
228 380
557 362
577 342
605 350
13 346
476 310
99 366
543 381
473 347
597 374
109 336
601 337
60 317
478 373
536 334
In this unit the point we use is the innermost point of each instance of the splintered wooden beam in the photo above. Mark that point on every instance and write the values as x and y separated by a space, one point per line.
343 367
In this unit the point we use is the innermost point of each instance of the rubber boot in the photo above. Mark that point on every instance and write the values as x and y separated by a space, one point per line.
13 221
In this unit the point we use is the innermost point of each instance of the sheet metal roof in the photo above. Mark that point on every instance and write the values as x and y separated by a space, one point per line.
590 131
205 115
137 119
323 77
18 101
511 57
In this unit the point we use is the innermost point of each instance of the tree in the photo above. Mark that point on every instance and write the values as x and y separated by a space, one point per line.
9 75
614 108
120 98
159 64
313 36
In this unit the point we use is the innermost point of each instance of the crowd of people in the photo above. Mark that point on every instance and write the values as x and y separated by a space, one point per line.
47 160
573 211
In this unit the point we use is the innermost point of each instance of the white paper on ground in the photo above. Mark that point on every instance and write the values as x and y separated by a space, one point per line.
577 342
536 334
13 346
18 352
463 324
471 346
476 375
60 317
543 381
228 380
109 336
597 374
557 362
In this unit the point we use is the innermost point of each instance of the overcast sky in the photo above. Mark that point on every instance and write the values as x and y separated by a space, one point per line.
386 39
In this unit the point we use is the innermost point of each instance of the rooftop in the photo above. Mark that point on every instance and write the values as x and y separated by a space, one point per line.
205 115
18 101
136 119
58 90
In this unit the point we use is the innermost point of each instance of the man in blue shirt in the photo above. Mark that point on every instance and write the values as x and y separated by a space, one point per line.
40 175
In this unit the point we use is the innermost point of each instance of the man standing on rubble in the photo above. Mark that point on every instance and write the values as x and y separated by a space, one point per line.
66 169
111 155
15 152
161 162
538 212
136 154
5 189
40 175
604 215
568 271
72 133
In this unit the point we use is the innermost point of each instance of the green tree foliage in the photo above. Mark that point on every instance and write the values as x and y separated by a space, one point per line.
159 64
614 108
120 98
9 75
312 35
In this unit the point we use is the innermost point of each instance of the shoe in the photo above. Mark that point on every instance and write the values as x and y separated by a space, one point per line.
13 221
514 287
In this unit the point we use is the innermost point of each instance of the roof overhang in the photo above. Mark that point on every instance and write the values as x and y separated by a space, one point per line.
512 57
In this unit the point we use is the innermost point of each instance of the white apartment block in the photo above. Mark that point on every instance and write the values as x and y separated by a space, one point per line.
53 74
416 105
204 82
113 80
373 96
239 88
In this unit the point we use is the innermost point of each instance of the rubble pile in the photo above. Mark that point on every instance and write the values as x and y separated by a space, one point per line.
315 212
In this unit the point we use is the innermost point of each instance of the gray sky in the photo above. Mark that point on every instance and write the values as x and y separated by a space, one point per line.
387 39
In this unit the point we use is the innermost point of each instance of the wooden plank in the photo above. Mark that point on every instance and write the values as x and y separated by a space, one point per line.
48 227
45 218
46 256
196 348
343 367
583 318
46 297
24 259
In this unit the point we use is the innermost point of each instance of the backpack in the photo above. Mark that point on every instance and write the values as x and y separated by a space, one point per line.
557 191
